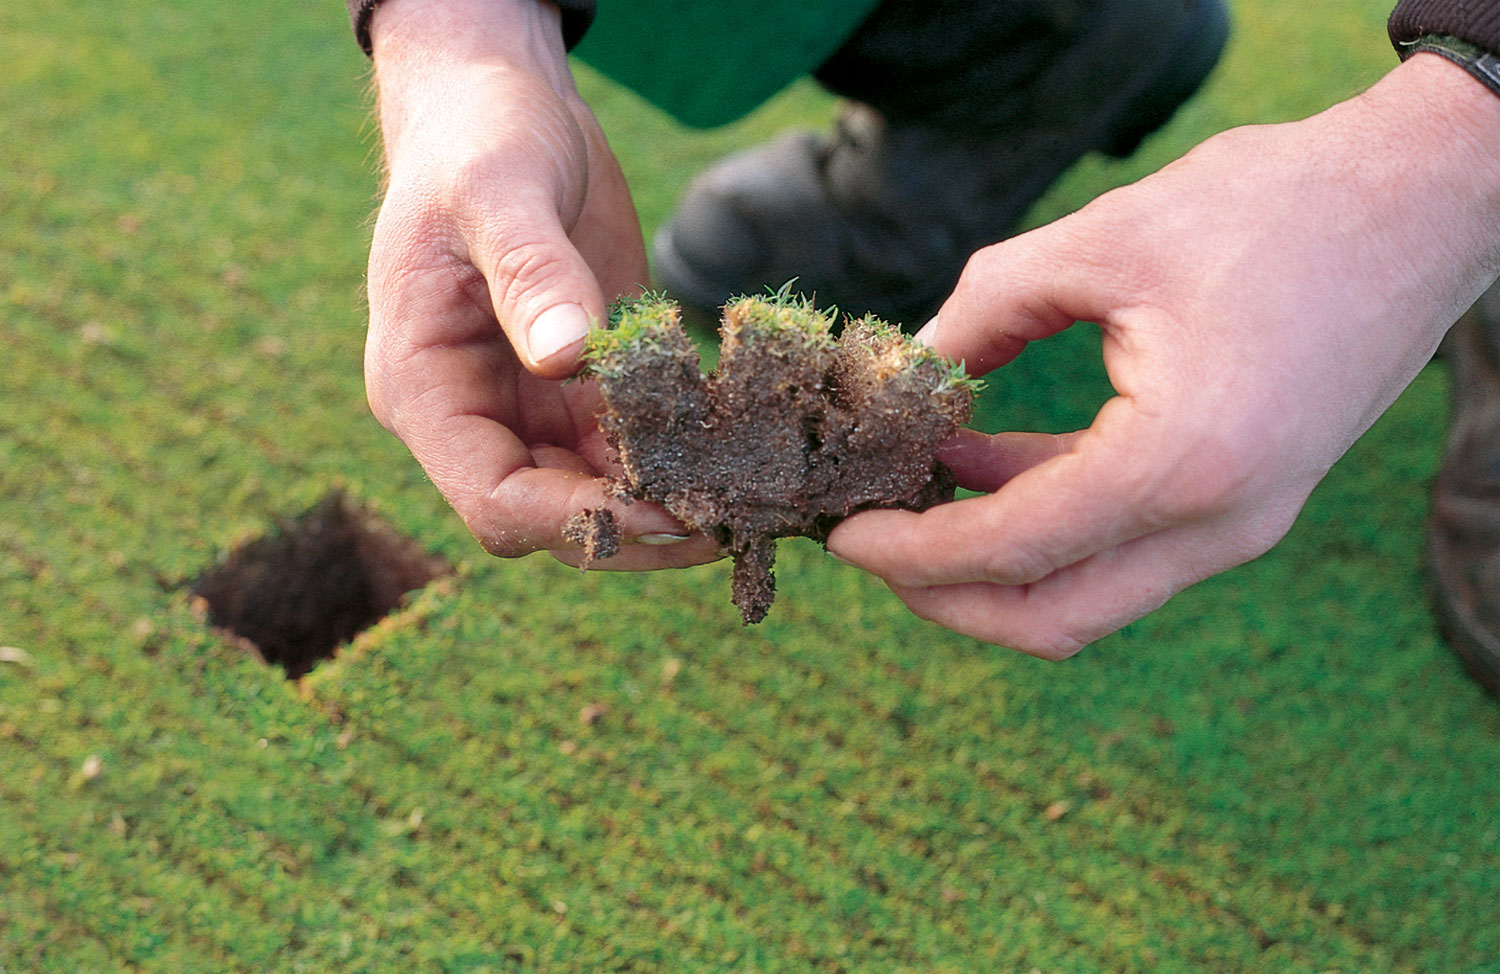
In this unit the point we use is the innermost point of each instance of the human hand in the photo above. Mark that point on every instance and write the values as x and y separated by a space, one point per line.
505 228
1262 301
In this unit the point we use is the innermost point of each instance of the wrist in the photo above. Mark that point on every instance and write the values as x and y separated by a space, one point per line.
422 48
1482 65
1442 133
402 30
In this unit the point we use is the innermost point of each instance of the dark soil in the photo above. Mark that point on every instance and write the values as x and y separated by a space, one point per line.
792 433
321 578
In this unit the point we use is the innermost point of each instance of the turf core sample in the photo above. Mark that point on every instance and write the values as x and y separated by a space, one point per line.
792 432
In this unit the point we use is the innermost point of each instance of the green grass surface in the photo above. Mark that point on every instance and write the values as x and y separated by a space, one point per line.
529 770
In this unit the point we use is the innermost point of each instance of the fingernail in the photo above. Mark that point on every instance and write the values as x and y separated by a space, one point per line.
661 539
927 334
555 329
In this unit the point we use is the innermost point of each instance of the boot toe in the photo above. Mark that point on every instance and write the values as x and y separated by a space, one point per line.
707 252
753 221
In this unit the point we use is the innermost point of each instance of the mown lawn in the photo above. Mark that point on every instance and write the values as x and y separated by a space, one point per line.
531 770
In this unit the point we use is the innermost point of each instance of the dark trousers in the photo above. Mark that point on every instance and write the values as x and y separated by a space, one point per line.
955 63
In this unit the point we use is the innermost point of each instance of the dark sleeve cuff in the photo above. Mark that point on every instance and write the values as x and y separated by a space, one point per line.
577 15
1477 23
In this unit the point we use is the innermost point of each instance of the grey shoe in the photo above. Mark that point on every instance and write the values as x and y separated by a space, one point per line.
882 215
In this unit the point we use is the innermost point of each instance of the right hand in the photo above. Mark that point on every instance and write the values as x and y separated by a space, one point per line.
1261 300
505 228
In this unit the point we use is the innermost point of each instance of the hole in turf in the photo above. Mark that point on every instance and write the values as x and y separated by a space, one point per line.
316 581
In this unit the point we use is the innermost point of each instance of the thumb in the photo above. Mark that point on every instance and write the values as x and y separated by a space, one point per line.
544 293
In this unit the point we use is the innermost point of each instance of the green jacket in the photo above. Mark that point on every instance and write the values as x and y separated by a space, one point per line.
709 63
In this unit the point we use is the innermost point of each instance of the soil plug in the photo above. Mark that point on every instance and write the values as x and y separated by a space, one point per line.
793 432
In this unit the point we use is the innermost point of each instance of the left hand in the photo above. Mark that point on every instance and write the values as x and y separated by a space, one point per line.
506 225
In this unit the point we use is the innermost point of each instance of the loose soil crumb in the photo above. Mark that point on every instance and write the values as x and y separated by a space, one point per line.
596 532
793 432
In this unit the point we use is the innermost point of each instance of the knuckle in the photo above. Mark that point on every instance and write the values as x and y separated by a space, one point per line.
1055 647
406 224
381 403
1261 532
984 263
927 611
394 386
384 402
1055 639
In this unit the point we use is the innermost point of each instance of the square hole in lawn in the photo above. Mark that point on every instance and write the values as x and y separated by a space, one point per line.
315 582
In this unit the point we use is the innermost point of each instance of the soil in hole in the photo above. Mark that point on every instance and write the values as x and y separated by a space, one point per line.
314 583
